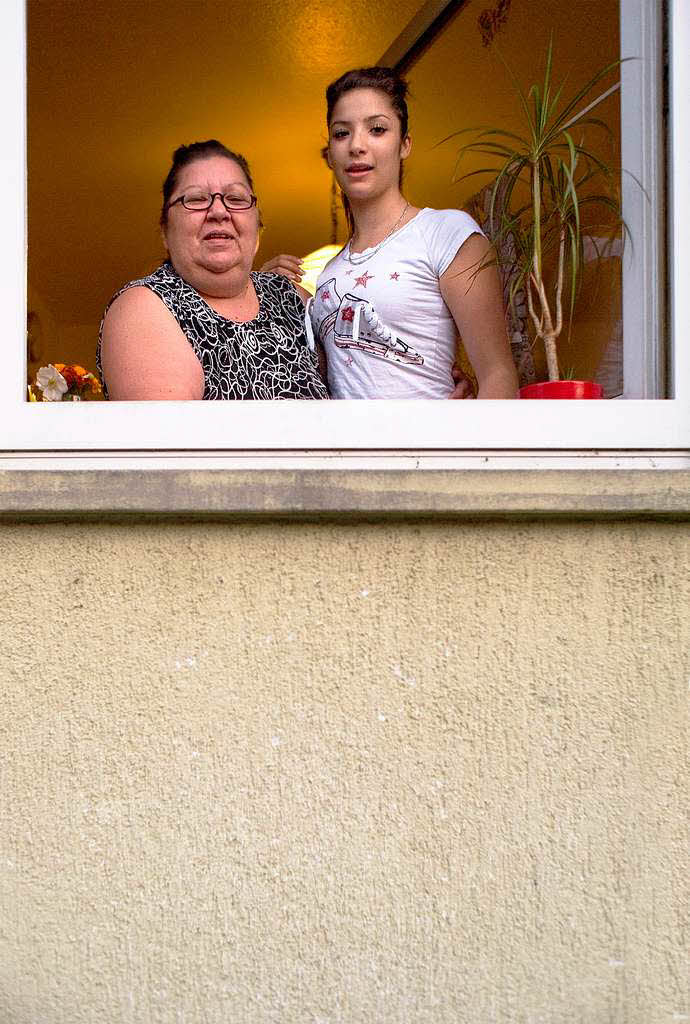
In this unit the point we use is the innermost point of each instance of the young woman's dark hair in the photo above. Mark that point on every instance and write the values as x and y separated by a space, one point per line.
387 81
184 155
384 79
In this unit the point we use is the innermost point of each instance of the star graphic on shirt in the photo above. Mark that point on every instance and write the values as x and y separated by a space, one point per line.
364 279
348 314
349 361
395 276
347 273
326 294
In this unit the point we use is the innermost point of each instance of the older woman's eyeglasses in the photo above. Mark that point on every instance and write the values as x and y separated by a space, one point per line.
238 199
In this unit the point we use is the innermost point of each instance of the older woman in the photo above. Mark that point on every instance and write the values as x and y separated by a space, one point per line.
202 326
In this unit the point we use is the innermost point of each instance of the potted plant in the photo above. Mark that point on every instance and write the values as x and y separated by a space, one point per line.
545 175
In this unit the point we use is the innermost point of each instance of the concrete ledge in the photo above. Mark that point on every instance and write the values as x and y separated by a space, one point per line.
34 496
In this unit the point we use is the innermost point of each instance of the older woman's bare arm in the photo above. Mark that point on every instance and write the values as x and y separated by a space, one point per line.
144 354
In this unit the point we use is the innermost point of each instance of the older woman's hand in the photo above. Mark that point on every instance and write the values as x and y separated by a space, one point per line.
463 385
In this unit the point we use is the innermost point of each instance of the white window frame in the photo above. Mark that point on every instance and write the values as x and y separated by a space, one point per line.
385 426
642 156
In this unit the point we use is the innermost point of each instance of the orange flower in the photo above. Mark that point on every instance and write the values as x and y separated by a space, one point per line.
59 367
69 375
95 386
79 370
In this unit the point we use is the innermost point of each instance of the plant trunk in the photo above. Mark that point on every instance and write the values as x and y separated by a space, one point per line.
551 355
536 213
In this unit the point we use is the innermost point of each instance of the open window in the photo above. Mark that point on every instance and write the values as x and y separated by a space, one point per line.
645 301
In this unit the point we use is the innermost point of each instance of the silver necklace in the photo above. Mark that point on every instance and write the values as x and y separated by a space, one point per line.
367 255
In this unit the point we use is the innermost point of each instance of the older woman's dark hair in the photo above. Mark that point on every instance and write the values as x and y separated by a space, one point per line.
387 81
185 155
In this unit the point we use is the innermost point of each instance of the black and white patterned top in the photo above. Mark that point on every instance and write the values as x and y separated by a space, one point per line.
264 358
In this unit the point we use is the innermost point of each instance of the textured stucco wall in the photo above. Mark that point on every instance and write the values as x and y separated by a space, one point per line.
298 774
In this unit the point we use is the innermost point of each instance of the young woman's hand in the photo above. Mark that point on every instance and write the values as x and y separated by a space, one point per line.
288 266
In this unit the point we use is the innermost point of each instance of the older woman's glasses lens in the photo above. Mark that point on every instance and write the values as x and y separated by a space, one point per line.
235 200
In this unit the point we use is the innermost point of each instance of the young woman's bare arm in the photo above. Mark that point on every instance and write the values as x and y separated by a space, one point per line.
473 294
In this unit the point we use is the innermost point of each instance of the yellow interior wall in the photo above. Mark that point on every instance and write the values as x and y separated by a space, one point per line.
364 774
112 89
459 83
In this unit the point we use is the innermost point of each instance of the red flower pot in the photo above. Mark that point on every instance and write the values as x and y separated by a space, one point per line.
562 389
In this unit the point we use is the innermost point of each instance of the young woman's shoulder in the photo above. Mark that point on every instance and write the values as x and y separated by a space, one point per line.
444 232
455 221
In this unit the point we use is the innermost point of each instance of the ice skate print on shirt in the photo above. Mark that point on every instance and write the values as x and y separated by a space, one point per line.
358 325
324 308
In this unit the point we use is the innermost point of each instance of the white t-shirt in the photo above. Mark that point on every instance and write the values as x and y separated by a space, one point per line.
386 330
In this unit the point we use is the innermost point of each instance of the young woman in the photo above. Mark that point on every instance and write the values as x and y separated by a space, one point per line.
388 308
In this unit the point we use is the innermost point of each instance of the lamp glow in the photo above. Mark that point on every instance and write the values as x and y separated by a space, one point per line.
313 264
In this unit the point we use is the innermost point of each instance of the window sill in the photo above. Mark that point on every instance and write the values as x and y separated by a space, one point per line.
342 495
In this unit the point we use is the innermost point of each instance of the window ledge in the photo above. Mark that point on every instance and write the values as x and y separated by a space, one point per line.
312 495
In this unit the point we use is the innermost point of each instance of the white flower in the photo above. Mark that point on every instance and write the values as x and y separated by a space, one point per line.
52 383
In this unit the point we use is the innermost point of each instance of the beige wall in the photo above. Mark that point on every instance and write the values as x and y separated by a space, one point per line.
412 774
